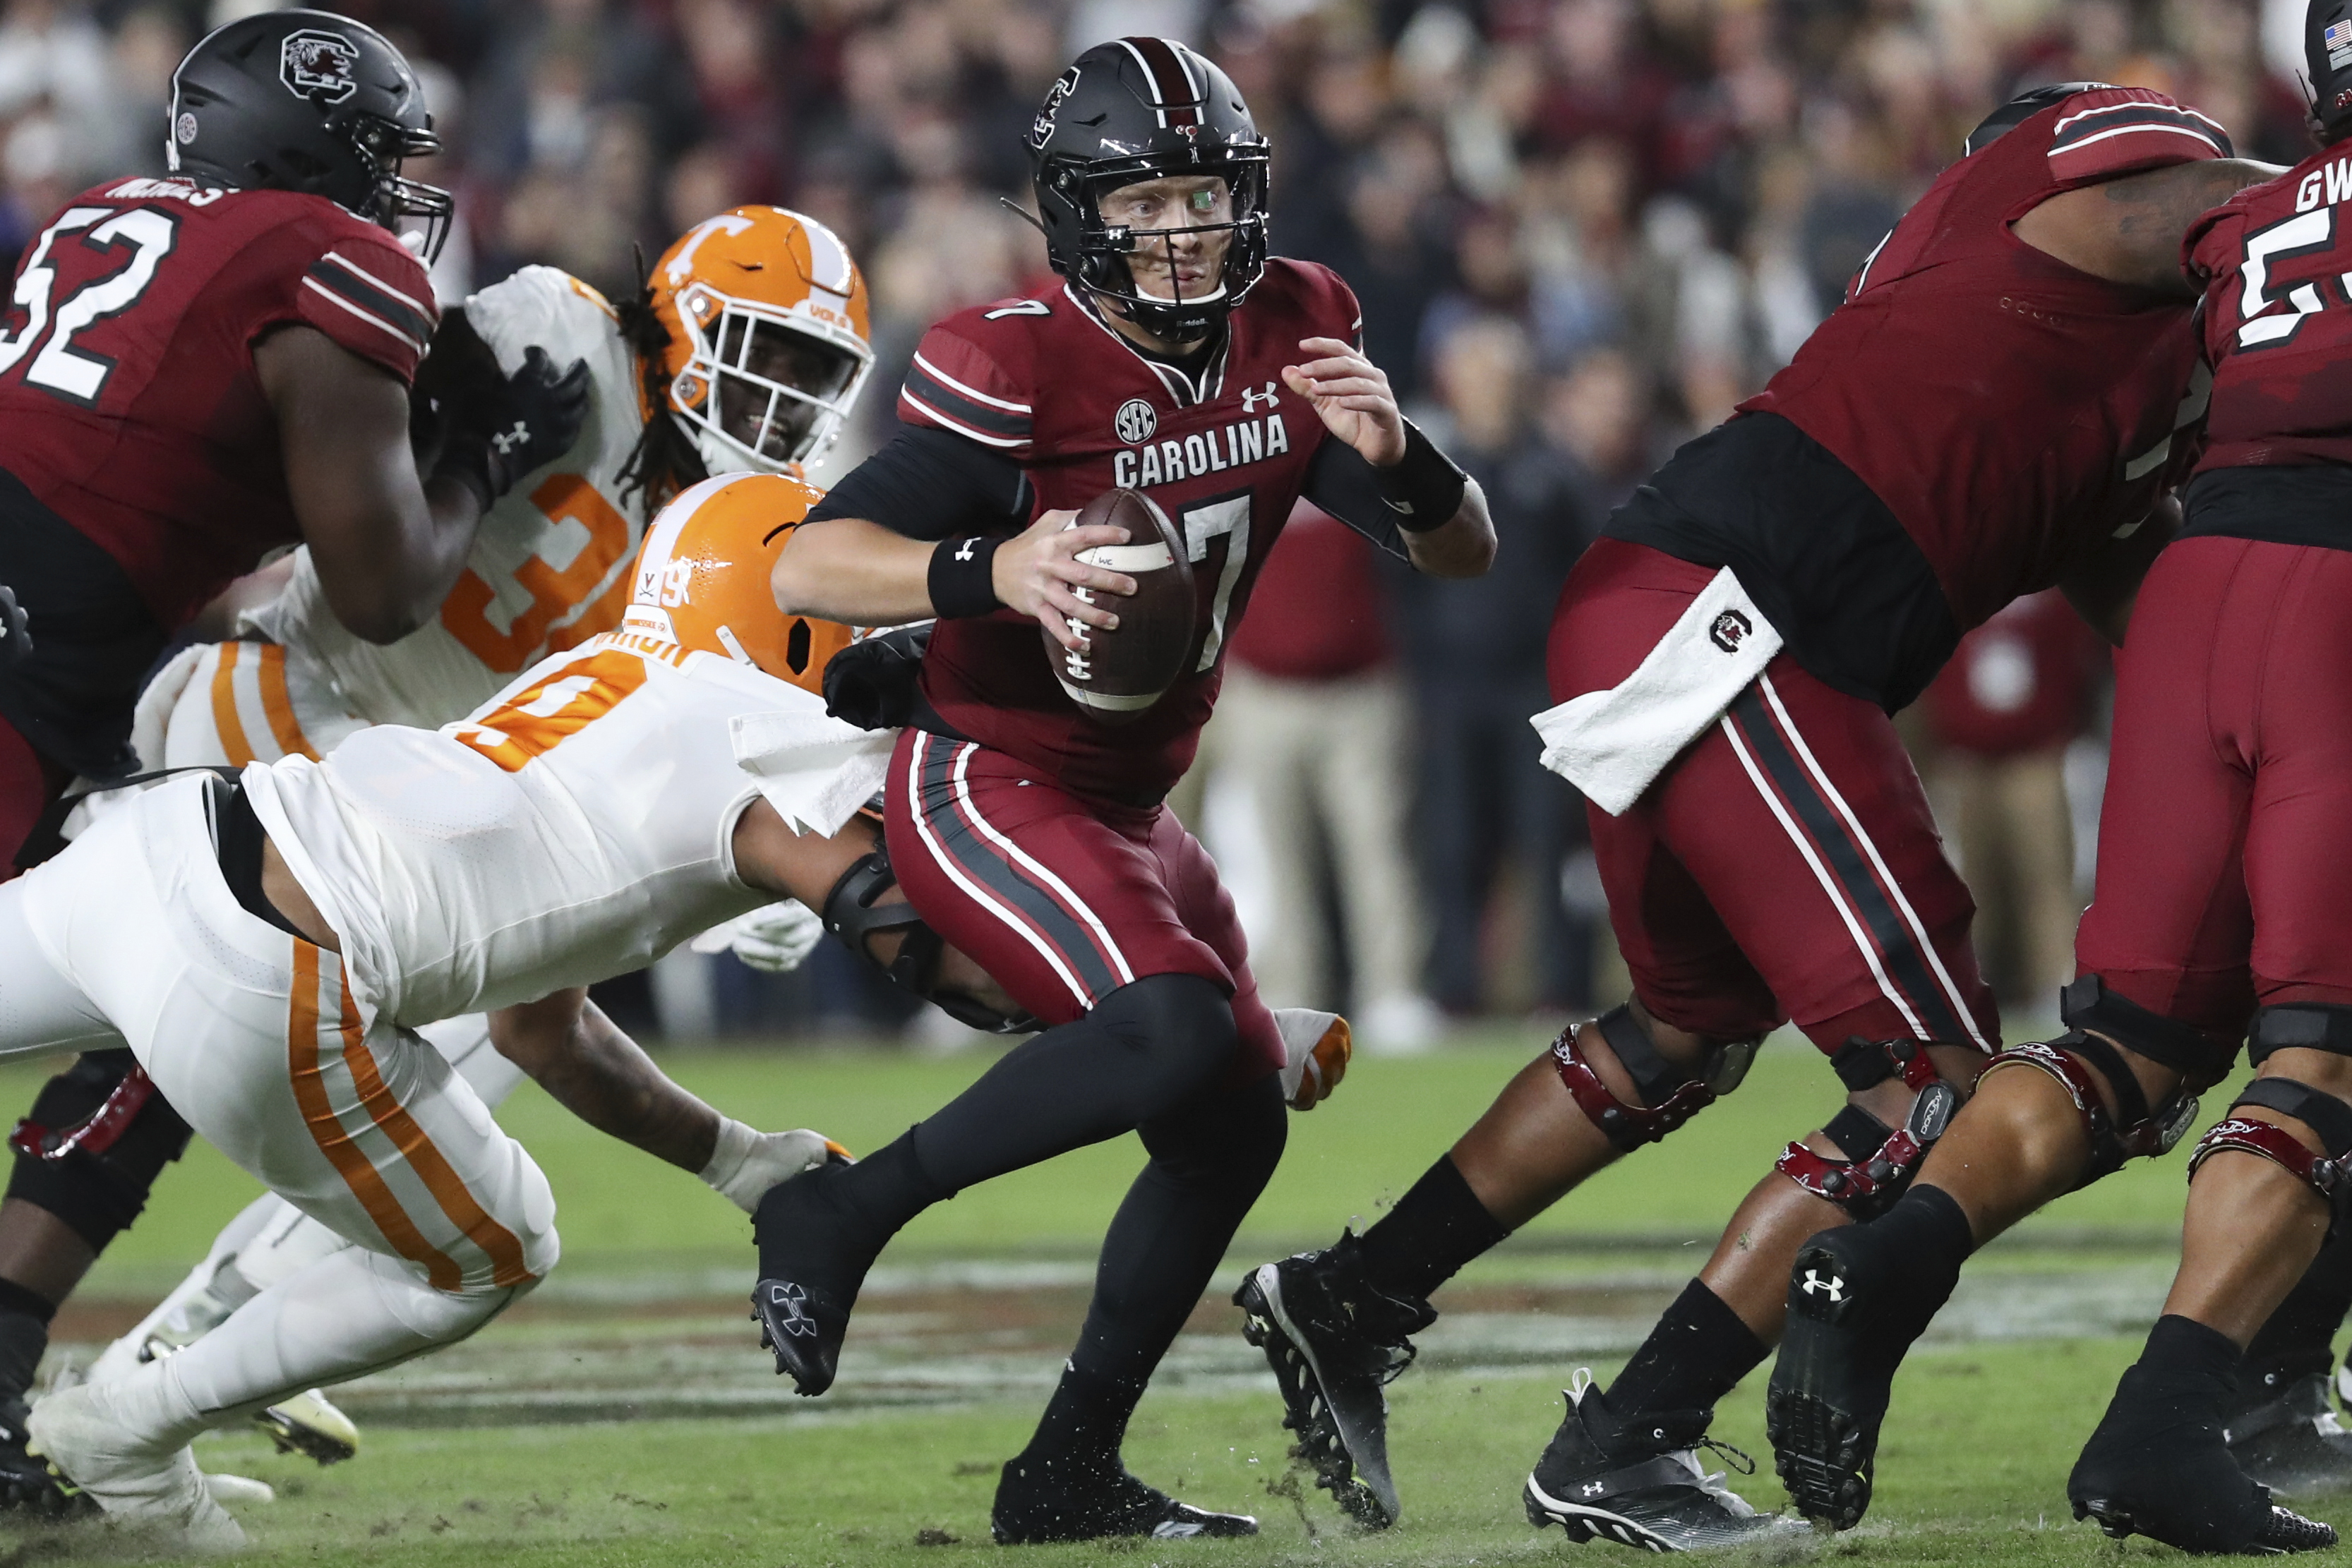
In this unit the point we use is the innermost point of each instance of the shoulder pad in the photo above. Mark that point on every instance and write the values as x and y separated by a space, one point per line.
540 305
971 376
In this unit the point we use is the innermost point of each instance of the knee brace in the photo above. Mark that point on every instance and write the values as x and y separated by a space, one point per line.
1668 1096
98 1137
849 914
1879 1160
2134 1128
2328 1175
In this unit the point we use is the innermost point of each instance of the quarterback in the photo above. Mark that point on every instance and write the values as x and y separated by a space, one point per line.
747 346
1179 358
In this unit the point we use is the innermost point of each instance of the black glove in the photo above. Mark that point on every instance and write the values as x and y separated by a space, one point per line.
16 629
871 684
500 430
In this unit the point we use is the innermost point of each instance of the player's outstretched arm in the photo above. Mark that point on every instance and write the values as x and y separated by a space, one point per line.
1440 510
2129 230
386 545
855 570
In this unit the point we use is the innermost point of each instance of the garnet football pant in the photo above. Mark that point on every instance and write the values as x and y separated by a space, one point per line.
1786 866
132 936
1062 900
2226 834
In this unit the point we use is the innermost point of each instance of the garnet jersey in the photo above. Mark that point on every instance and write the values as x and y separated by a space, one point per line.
129 402
548 567
2278 319
2011 412
1225 454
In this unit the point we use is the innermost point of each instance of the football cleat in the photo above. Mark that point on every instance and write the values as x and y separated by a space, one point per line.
238 1491
2293 1443
1044 1500
2157 1466
310 1425
1641 1485
1335 1342
93 1453
804 1327
1830 1386
27 1483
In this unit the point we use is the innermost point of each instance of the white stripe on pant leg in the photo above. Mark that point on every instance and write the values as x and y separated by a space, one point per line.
1886 878
1828 884
1078 905
972 890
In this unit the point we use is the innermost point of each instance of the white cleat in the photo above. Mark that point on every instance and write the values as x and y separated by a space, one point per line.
310 1425
238 1491
92 1452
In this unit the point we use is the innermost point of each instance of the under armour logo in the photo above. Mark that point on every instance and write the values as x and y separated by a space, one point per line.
1593 1489
1253 397
964 553
793 1301
520 435
1834 1285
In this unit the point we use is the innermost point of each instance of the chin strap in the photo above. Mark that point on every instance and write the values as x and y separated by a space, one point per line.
1880 1161
1667 1096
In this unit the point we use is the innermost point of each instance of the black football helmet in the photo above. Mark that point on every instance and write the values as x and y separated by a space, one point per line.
309 101
2327 60
1147 109
2023 107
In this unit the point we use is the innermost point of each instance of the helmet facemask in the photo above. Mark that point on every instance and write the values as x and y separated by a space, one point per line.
1114 259
419 213
763 388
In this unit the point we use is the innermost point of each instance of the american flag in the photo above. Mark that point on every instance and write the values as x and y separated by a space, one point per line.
2338 34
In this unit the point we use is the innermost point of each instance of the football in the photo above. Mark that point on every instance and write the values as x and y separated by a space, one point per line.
1121 673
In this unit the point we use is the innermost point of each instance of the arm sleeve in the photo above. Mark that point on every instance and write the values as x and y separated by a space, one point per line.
2122 130
1339 481
361 290
929 485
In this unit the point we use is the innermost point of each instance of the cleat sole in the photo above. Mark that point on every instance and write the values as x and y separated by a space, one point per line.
1305 1410
1581 1523
1817 1449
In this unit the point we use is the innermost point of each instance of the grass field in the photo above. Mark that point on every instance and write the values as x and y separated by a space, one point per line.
623 1415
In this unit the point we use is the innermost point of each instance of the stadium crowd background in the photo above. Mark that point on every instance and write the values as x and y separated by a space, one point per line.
1581 230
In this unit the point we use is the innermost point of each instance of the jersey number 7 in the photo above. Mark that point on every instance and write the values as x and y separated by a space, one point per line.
81 378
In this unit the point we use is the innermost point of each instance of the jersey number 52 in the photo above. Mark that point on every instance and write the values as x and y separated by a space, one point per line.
57 367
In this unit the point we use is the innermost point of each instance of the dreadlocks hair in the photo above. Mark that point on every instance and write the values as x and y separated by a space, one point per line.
665 460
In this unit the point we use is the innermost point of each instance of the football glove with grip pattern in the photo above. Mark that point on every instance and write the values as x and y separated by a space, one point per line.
500 430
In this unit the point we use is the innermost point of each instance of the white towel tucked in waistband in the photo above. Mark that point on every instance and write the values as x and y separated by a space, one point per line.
815 771
1612 745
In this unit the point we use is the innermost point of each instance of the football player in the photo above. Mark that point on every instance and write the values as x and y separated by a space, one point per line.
196 370
267 941
1178 359
2218 898
1991 411
746 351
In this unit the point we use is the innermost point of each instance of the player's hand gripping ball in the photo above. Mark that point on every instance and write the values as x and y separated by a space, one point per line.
1119 673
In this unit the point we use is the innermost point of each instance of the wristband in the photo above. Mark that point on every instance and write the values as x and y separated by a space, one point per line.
1425 489
728 1154
962 577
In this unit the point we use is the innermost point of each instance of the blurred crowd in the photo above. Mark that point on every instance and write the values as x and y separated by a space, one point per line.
1581 230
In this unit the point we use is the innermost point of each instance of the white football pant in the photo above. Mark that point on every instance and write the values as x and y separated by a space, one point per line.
132 936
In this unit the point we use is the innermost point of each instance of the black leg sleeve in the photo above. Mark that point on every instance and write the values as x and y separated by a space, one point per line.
1209 1162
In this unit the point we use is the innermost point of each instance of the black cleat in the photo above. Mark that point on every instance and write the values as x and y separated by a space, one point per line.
1335 1342
1830 1386
1601 1480
2157 1467
804 1327
1041 1501
2292 1442
29 1484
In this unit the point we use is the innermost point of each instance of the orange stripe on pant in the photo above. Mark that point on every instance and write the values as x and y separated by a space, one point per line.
224 717
277 704
359 1172
506 1265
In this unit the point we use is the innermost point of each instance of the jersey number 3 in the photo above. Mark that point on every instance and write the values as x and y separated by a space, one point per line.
57 367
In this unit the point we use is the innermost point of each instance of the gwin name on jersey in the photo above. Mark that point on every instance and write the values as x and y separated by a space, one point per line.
1227 447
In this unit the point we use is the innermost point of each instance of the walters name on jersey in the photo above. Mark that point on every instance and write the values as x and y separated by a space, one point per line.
549 567
1224 453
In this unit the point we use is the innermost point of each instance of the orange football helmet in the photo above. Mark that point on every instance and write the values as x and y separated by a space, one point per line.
767 337
702 578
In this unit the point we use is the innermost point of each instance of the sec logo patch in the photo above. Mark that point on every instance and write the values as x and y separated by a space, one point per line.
1135 421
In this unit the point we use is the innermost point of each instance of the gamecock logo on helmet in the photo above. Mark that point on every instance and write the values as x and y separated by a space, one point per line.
1135 421
319 64
1041 130
1730 629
